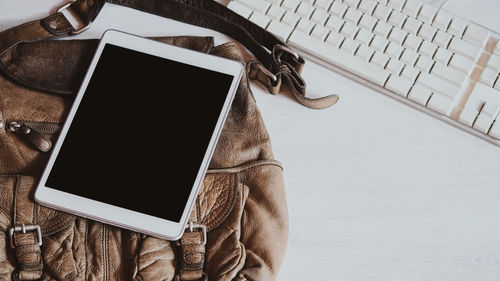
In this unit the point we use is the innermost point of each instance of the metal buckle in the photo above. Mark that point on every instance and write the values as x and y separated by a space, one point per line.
266 71
287 50
76 31
192 226
24 229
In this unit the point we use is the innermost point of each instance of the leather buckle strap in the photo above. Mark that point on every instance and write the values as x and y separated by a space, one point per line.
24 229
192 253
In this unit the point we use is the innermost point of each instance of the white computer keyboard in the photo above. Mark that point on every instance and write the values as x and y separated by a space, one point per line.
427 57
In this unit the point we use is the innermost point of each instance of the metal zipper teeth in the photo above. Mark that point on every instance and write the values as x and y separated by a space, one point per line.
41 127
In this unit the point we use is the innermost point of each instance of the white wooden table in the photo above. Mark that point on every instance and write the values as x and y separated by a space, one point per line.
376 190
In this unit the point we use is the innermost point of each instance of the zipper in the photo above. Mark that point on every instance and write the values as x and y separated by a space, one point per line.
35 131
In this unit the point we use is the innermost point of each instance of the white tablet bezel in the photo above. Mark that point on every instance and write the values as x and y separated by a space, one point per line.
119 216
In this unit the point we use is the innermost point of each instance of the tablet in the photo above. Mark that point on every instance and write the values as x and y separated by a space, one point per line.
139 137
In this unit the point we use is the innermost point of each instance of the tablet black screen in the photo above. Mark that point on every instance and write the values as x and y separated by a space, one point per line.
140 132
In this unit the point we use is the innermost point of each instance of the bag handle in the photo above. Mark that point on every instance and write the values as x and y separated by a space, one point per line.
276 61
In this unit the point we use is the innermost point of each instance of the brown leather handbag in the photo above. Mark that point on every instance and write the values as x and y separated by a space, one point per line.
238 228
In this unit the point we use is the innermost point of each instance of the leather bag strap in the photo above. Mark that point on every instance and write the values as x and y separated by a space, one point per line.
277 63
26 236
191 248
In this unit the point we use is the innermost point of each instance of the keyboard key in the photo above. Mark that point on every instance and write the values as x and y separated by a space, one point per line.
442 20
338 8
364 36
427 13
451 74
457 27
276 12
412 26
367 6
497 49
486 117
290 19
427 49
319 17
323 4
380 59
278 2
494 62
442 55
441 103
349 30
397 19
439 84
409 57
349 46
442 39
476 35
383 29
352 64
410 73
424 63
305 25
420 94
495 129
489 77
396 4
470 112
352 3
258 5
259 19
335 23
395 66
427 32
290 5
240 9
305 10
412 7
465 48
319 32
379 43
398 35
412 42
368 22
353 15
399 85
335 39
364 52
394 50
462 63
382 12
280 29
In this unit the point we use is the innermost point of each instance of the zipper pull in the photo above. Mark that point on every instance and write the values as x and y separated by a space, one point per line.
36 138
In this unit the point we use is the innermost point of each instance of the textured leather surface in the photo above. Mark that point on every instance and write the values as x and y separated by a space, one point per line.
242 201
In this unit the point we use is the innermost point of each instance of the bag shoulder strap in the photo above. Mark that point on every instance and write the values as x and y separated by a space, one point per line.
277 63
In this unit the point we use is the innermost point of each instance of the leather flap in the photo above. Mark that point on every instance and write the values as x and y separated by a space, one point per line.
216 199
16 193
58 66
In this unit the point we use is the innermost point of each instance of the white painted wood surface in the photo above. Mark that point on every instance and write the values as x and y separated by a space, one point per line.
376 190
